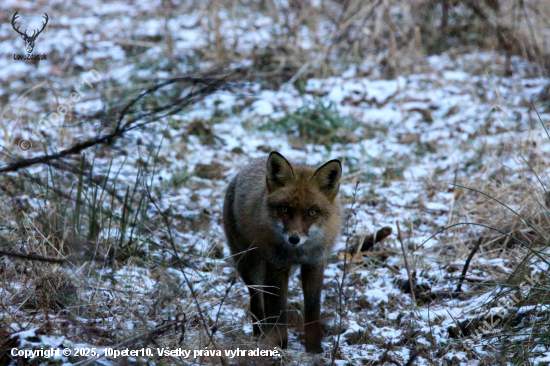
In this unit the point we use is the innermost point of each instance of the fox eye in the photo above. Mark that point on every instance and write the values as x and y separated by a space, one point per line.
284 209
312 213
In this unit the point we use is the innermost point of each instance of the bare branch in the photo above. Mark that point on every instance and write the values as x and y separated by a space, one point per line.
210 86
32 257
467 264
411 282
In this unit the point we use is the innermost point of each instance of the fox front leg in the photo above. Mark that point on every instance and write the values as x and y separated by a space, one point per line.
253 278
312 284
275 299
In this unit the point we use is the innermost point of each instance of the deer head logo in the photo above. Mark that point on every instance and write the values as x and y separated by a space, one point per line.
29 40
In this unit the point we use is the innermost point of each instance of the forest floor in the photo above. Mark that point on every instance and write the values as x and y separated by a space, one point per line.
455 153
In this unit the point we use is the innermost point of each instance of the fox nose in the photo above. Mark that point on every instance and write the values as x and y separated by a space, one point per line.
294 239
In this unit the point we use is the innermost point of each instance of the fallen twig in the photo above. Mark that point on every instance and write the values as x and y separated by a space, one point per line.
377 237
467 264
412 358
32 257
349 234
411 283
210 86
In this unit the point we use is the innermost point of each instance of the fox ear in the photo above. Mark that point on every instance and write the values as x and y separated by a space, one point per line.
327 178
279 171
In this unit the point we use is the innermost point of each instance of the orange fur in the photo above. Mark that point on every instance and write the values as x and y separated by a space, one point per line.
279 215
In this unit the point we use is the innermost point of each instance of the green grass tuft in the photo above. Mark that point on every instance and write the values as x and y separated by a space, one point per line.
320 124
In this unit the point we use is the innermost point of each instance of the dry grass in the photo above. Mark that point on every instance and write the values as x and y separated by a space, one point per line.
510 199
394 34
98 295
509 207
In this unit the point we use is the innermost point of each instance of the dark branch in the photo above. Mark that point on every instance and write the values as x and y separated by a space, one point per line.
32 257
467 264
210 85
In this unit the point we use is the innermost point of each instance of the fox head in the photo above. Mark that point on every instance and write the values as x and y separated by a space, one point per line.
300 199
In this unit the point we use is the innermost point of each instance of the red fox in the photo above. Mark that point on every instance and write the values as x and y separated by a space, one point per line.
278 215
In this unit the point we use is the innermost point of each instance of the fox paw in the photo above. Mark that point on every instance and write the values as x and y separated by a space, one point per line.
274 338
314 348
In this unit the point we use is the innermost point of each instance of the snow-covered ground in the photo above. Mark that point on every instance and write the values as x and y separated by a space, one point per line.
415 136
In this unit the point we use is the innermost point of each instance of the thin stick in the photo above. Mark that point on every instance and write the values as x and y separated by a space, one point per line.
215 326
406 262
132 340
467 264
344 272
189 284
33 257
210 86
412 358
